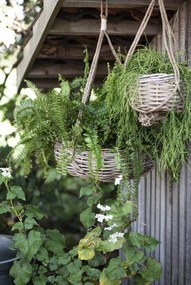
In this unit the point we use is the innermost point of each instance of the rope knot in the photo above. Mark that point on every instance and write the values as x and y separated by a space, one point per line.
103 24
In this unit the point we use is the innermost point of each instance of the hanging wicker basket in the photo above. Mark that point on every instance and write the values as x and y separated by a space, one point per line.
80 165
156 95
160 92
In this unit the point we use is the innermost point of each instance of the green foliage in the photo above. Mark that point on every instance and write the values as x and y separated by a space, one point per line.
45 259
166 142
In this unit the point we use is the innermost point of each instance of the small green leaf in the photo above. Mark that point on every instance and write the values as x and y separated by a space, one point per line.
86 254
4 208
105 280
34 212
136 239
28 245
115 270
29 223
21 273
108 246
94 273
152 271
87 190
87 218
16 192
133 255
17 226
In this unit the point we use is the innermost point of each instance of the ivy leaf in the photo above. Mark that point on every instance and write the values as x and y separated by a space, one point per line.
29 223
75 266
136 239
89 243
16 192
28 245
40 280
152 271
133 255
4 207
87 190
115 270
87 218
105 280
34 212
42 255
150 243
86 254
17 226
140 240
55 242
21 272
64 259
108 246
94 273
92 200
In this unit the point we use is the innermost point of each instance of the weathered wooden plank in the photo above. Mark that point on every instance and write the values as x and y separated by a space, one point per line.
153 205
40 30
182 226
175 231
163 226
69 69
188 223
157 214
127 4
168 244
59 51
91 27
148 203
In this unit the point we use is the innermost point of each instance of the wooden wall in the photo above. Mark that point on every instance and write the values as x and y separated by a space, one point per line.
165 207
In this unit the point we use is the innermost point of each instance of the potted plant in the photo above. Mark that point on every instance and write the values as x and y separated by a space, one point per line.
168 137
99 147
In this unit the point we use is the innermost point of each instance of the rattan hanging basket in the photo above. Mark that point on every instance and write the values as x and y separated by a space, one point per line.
80 164
156 94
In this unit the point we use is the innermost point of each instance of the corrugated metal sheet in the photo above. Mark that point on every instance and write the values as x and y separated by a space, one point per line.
165 207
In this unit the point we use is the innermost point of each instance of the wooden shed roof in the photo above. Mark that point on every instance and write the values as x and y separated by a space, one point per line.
57 40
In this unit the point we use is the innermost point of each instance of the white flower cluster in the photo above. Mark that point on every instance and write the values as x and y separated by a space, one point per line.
101 217
111 227
6 172
118 180
114 237
103 208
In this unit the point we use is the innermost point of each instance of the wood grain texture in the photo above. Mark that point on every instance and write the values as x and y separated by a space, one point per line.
170 4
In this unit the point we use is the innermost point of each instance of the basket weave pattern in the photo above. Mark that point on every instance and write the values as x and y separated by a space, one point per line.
157 94
80 165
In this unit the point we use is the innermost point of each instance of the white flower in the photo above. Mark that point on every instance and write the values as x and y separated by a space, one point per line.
103 208
108 217
114 237
118 180
111 227
6 172
101 217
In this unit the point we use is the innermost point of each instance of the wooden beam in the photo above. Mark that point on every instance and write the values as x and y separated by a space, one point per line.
118 4
87 27
68 51
40 30
71 69
43 83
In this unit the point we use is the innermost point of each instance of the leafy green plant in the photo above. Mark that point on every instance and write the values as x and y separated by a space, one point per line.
44 259
52 117
167 141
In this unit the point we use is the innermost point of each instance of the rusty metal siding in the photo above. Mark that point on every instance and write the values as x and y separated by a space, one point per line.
165 207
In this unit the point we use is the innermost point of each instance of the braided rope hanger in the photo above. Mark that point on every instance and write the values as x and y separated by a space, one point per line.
103 32
168 38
